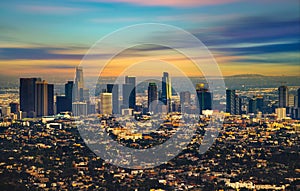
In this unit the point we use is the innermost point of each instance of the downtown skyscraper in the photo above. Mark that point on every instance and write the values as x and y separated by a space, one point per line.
36 97
106 103
27 96
283 96
44 100
233 103
204 98
114 89
129 92
79 84
64 103
166 93
152 97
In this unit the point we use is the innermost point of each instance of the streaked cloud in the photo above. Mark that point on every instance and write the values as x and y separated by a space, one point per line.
116 20
170 3
40 53
50 9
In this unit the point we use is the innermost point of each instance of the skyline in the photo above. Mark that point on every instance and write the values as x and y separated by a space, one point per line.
257 37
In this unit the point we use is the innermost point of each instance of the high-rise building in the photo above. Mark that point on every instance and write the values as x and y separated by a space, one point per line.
238 105
152 97
85 95
298 98
106 103
128 98
204 98
27 96
130 80
15 108
64 103
79 84
41 98
185 98
166 92
291 100
281 113
50 99
260 104
129 92
252 107
230 102
233 103
176 107
79 108
185 101
61 104
114 89
91 107
283 96
69 95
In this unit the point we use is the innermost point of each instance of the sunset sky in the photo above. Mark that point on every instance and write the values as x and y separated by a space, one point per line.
245 36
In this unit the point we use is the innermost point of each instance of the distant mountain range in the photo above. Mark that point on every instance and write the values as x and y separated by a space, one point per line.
246 76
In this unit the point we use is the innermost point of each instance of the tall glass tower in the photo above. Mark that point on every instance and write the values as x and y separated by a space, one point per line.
79 84
166 92
152 97
283 96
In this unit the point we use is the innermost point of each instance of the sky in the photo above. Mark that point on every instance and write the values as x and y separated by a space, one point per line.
49 38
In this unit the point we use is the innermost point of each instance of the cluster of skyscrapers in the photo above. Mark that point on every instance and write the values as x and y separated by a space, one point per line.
158 100
287 104
36 97
128 104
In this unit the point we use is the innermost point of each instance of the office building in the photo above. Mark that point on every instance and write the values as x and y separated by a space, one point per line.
298 98
41 98
166 92
61 104
185 101
114 89
238 105
176 107
252 106
204 98
260 104
27 95
106 103
129 92
130 80
50 99
152 97
64 103
44 100
15 108
79 84
230 102
283 96
185 98
291 100
281 113
79 108
91 107
69 95
233 103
